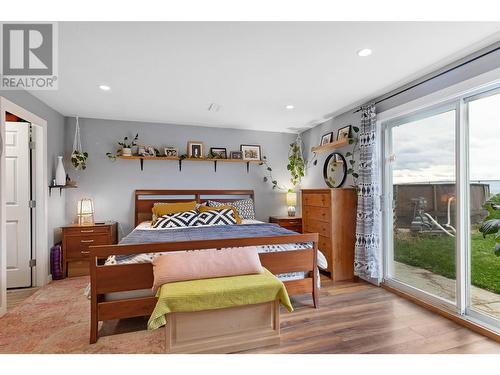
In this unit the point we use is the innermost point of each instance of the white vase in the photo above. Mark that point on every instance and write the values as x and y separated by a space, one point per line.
60 172
126 151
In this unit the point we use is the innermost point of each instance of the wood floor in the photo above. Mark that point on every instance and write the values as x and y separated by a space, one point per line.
16 296
360 318
354 317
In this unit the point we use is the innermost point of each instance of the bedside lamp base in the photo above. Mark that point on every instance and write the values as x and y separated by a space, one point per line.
291 211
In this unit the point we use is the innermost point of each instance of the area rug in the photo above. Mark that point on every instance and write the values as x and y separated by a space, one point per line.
56 319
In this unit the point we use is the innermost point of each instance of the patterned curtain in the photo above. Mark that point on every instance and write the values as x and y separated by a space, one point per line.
367 251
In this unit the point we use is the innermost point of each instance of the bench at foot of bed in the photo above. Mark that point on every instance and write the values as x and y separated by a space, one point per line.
226 330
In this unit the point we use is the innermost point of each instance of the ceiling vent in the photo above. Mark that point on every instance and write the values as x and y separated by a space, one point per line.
214 107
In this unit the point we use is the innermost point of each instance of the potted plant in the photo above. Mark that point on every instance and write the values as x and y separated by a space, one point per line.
125 147
79 159
491 223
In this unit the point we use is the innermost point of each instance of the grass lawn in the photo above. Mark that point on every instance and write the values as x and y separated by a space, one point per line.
437 254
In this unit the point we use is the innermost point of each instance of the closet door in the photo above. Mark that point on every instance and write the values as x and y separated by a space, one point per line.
17 201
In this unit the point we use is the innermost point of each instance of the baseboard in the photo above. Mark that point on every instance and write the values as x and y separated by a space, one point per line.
459 319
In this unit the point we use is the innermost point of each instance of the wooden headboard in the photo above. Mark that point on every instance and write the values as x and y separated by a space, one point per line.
145 199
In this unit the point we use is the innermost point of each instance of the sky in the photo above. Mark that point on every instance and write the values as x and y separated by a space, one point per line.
424 150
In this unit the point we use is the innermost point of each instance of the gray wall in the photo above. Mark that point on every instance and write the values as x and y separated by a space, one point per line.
55 146
111 184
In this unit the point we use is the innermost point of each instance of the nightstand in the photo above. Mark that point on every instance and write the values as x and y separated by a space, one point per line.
76 240
289 222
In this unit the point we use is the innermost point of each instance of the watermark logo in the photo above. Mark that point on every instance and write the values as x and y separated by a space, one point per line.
28 56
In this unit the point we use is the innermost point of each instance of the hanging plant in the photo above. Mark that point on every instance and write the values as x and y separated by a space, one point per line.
295 166
78 157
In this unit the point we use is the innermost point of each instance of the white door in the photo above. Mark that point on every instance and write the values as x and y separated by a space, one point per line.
17 200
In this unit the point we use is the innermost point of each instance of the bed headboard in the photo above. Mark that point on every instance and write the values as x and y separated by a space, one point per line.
145 199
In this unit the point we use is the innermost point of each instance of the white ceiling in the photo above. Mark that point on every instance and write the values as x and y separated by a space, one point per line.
170 72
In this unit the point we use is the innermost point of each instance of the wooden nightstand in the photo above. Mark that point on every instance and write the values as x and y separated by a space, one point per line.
76 241
289 222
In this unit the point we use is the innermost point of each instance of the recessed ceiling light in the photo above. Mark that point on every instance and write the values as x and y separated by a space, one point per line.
289 106
364 52
104 87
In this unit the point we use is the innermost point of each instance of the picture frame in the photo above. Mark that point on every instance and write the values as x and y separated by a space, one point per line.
344 133
236 155
218 152
195 149
251 152
326 138
171 152
146 150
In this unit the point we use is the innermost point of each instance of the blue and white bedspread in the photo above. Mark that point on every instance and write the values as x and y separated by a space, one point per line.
144 234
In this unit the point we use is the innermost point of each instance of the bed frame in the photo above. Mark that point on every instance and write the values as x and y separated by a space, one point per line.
130 277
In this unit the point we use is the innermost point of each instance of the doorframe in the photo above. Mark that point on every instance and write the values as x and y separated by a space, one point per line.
40 273
459 92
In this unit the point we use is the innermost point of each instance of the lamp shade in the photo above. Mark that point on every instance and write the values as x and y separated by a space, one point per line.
85 206
291 199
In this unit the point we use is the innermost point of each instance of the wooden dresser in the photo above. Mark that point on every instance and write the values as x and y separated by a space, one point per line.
289 222
76 242
332 214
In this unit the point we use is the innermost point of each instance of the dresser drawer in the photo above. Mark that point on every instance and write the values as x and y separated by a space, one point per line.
316 199
295 228
83 231
325 246
316 213
78 268
78 246
315 226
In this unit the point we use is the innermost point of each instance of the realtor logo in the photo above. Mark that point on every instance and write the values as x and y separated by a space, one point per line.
28 58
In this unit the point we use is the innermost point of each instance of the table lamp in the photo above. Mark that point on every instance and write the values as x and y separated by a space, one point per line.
85 211
291 202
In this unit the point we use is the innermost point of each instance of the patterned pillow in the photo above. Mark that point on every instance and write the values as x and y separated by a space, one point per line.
177 220
216 217
244 207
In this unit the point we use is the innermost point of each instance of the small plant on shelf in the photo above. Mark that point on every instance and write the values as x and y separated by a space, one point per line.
125 147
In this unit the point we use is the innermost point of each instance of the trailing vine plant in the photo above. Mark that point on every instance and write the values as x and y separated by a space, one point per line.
349 156
295 166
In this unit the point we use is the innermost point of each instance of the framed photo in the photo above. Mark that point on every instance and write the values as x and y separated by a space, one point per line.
218 152
146 150
327 138
171 151
236 155
250 152
344 133
195 149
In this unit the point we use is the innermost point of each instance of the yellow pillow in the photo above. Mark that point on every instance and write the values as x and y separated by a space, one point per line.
160 209
218 208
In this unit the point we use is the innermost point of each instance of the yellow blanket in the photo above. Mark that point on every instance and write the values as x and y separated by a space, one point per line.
217 293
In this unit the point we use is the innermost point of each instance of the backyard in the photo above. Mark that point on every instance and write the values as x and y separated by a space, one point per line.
436 253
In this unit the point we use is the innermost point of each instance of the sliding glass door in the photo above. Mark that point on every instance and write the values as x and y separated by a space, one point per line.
441 183
484 164
421 171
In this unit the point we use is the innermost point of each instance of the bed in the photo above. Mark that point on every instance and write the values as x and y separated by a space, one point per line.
116 271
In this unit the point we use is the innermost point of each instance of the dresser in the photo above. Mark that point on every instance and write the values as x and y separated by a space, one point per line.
289 222
76 240
332 214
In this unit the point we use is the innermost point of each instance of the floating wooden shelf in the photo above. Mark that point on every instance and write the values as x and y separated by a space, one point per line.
180 160
331 146
60 187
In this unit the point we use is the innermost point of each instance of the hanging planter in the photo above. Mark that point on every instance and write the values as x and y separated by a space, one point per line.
78 157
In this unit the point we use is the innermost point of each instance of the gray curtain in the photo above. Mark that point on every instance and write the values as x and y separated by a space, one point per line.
368 223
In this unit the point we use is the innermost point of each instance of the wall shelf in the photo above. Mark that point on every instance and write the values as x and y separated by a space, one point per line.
331 146
60 187
180 160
